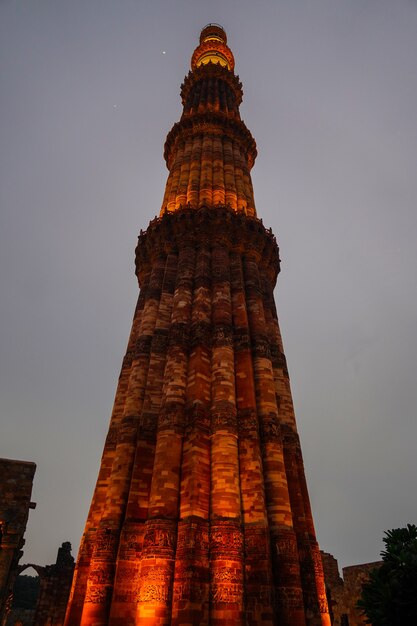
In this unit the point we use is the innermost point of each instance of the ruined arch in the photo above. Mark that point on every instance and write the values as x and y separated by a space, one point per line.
54 587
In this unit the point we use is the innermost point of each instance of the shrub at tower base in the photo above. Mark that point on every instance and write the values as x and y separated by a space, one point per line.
390 596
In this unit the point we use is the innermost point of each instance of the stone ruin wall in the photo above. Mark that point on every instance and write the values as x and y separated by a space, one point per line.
16 481
344 593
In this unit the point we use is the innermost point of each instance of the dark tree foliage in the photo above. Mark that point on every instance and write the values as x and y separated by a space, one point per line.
25 592
390 596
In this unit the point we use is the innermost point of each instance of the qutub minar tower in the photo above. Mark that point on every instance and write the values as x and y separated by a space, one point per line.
201 514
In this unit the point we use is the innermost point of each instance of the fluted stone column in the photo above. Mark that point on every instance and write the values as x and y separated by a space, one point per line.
226 537
258 571
124 601
192 582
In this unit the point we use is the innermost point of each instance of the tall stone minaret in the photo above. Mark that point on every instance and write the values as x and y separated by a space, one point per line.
201 513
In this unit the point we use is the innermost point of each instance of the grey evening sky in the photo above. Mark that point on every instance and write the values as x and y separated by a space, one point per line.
89 90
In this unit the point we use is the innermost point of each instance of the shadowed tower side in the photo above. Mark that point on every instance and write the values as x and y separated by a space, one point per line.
201 512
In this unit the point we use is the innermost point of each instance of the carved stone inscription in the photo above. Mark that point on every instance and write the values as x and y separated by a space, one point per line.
105 545
223 336
257 543
192 537
226 537
154 584
131 543
286 547
191 583
224 417
226 593
98 595
197 417
270 429
99 584
289 599
247 422
171 418
226 583
160 538
126 583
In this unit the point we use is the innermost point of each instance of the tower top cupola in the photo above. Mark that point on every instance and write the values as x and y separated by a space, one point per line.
213 32
213 48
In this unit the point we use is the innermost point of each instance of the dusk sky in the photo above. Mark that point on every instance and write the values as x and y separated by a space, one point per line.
88 91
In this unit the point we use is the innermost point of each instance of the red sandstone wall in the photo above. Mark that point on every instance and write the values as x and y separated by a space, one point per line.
16 480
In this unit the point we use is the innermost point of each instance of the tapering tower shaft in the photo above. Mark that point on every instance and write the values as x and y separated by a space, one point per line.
209 152
201 513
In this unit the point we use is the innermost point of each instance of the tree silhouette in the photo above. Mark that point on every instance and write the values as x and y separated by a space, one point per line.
389 598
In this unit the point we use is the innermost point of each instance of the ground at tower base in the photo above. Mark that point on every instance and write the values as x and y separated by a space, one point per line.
201 513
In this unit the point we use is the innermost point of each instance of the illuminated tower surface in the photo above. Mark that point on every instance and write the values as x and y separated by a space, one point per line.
201 515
